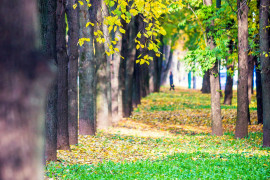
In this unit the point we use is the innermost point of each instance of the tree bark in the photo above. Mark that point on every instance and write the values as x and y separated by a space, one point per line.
265 72
250 76
115 79
215 88
25 78
229 86
104 108
87 76
136 84
62 60
130 59
241 129
158 67
259 94
73 37
229 79
48 36
206 83
194 81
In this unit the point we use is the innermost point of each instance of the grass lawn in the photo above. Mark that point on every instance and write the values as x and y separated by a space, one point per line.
168 137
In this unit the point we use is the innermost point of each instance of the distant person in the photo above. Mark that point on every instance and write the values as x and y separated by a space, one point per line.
171 81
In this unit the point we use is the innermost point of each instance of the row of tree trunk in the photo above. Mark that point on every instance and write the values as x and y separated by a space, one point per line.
245 77
109 86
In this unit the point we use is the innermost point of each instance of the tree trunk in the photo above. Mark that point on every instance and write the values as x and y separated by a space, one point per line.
136 84
259 94
265 73
152 74
115 79
206 83
215 88
73 37
194 81
62 60
158 66
104 108
122 71
87 77
250 76
48 34
130 59
25 78
241 129
229 86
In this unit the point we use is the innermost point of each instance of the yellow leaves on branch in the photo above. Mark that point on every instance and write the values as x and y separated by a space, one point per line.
124 10
82 40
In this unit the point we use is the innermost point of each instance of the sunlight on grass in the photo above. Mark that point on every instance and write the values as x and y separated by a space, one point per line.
168 137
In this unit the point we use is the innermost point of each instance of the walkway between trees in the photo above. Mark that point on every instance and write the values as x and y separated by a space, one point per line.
170 125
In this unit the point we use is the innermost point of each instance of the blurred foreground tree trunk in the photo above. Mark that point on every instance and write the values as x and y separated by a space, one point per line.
25 78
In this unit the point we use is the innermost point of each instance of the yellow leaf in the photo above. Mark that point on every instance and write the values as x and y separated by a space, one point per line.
142 61
108 54
74 6
81 3
122 31
138 46
110 28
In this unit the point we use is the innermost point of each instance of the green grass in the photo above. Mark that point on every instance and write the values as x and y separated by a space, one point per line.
181 155
196 165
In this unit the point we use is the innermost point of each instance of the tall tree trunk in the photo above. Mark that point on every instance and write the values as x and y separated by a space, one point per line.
73 37
136 84
158 66
250 76
130 59
194 81
259 94
152 74
229 79
48 34
229 85
206 83
241 129
115 79
87 76
104 108
25 78
264 49
215 88
62 60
